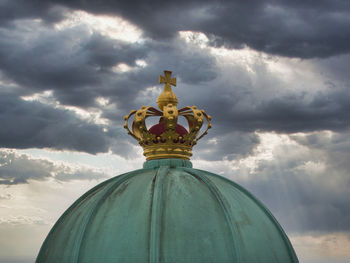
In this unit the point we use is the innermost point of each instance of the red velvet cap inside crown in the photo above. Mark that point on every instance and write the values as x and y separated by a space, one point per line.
159 129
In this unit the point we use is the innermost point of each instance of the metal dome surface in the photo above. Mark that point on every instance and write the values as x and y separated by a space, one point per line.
167 212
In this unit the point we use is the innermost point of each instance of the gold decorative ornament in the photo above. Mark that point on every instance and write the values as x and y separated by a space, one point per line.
167 139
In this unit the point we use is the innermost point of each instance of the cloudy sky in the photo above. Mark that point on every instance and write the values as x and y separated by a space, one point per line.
274 75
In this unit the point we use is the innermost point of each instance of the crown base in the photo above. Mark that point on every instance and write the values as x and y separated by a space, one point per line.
167 152
167 156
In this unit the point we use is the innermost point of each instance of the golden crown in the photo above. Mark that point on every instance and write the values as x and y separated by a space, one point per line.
167 139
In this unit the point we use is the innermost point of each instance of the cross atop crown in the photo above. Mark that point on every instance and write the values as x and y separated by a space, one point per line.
167 79
167 96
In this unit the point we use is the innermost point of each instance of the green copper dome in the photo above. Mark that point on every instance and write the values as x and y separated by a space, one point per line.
167 212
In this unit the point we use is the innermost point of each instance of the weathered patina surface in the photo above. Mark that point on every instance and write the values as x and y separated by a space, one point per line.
167 212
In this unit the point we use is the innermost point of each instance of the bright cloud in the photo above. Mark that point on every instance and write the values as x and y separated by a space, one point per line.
111 26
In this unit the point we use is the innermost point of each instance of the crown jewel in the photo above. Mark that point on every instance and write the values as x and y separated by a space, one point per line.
167 139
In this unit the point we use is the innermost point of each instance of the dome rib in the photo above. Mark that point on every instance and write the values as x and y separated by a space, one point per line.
157 214
221 201
92 212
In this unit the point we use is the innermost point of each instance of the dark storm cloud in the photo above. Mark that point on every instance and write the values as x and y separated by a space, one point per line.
18 169
71 66
23 9
286 114
302 29
78 69
30 124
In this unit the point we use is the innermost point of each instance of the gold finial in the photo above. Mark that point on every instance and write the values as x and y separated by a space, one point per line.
167 96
